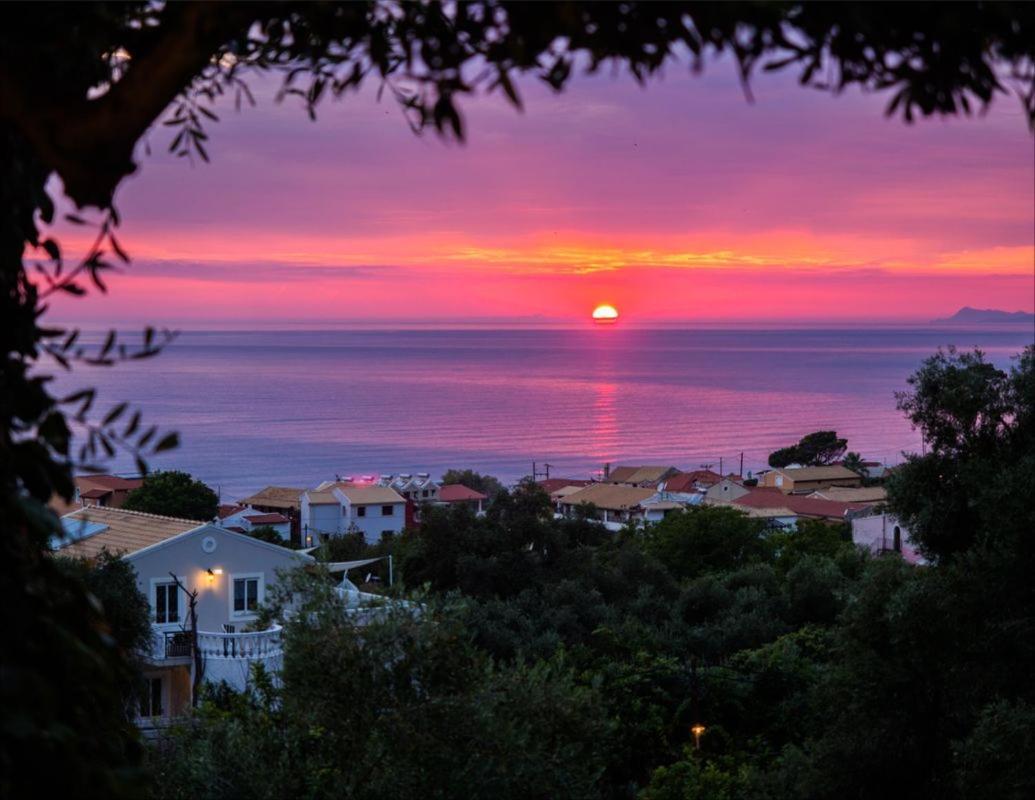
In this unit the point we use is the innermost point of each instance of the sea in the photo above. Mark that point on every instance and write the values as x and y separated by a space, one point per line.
296 407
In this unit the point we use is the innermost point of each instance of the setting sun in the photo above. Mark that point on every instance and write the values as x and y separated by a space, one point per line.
605 314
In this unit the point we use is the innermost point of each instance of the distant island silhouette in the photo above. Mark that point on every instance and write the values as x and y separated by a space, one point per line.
982 316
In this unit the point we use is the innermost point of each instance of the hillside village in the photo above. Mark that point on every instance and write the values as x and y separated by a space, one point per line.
207 580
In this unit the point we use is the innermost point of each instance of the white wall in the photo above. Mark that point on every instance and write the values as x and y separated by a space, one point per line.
188 558
321 518
374 524
240 520
877 532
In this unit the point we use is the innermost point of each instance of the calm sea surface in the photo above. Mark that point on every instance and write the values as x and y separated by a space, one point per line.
298 407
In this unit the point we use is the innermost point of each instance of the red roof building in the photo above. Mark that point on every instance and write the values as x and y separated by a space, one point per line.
801 505
551 485
458 494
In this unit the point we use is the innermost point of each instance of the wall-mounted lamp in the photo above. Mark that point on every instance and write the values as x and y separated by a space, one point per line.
213 572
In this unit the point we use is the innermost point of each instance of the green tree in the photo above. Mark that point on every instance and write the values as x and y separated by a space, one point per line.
112 582
854 462
707 539
930 676
486 484
268 533
174 494
994 762
401 707
973 483
814 449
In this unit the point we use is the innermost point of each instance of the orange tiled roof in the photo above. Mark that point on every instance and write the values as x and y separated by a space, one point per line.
124 531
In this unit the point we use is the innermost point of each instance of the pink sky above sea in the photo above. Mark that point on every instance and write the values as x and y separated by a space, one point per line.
680 201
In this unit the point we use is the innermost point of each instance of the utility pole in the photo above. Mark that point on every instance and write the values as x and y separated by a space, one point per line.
720 467
741 473
536 473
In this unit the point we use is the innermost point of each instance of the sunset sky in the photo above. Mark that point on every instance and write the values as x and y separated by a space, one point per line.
680 201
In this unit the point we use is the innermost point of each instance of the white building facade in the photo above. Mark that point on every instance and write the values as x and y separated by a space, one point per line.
229 576
883 533
334 509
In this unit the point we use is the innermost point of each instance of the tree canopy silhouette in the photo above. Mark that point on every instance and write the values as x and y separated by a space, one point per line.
82 83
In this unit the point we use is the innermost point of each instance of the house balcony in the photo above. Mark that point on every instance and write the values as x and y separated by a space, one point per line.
172 647
250 645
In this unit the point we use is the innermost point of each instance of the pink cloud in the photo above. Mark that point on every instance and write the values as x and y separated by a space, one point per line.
678 201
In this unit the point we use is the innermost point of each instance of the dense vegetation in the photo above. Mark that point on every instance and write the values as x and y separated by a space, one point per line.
81 84
551 658
486 484
172 493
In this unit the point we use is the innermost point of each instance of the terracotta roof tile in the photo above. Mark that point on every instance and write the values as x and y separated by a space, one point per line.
458 493
124 531
266 519
275 497
551 485
610 497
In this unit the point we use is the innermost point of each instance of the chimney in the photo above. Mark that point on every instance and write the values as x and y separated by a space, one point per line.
607 470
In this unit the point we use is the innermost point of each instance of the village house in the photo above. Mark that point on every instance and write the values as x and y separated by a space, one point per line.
846 494
643 477
454 494
551 485
245 519
335 508
776 517
227 573
883 533
418 488
285 500
800 480
725 491
873 469
698 480
205 585
96 490
800 506
557 497
615 506
104 490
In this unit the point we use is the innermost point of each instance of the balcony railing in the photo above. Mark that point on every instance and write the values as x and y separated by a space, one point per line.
178 644
253 645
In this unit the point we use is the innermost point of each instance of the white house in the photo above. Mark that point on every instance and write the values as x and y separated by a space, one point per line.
245 519
336 508
228 574
883 533
419 487
617 505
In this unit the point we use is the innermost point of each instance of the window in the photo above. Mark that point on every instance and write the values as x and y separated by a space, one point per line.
247 595
167 603
151 698
424 493
361 511
387 511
